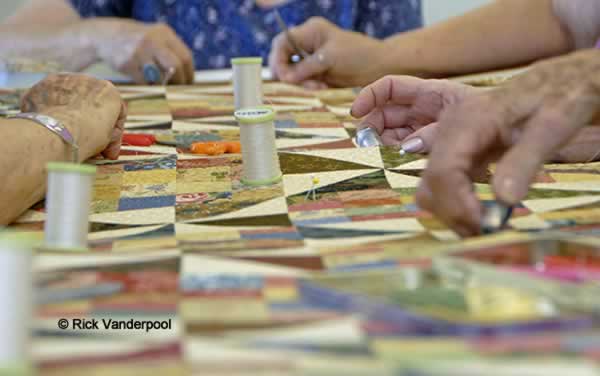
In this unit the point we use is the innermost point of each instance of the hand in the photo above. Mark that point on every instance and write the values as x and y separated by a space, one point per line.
91 109
405 110
129 45
338 57
521 125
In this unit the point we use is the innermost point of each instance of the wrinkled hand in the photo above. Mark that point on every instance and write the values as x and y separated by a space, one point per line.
521 125
338 57
405 110
129 45
91 109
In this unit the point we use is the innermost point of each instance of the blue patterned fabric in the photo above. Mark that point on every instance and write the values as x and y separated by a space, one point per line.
217 30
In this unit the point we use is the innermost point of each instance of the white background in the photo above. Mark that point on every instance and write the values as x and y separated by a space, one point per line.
435 10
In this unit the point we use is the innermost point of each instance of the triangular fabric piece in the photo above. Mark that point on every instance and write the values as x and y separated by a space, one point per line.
419 164
538 194
365 156
267 208
299 183
551 204
195 264
297 163
398 180
340 144
273 220
529 223
584 186
393 159
125 232
339 233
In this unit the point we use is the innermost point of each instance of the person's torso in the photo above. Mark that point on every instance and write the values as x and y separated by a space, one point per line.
217 30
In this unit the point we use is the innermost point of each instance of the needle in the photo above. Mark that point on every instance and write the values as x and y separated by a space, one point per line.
300 53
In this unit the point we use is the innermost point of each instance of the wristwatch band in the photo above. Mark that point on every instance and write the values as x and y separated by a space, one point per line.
53 126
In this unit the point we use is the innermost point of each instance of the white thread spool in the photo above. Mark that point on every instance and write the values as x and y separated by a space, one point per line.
259 152
68 206
247 82
16 292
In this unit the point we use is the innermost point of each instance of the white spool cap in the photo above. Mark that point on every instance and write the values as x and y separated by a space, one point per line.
68 206
247 82
17 302
259 152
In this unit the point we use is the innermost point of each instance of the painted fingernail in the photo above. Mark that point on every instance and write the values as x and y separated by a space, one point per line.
414 145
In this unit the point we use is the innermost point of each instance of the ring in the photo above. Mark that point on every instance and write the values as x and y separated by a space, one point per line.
152 73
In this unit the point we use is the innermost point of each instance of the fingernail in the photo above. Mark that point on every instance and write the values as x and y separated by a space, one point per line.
414 145
509 191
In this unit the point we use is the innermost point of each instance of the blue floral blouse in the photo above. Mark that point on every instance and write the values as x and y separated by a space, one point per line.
217 30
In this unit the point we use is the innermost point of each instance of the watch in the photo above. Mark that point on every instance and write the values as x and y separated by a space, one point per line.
53 126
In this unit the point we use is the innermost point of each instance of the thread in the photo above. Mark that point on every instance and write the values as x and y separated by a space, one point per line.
17 302
259 151
247 82
68 206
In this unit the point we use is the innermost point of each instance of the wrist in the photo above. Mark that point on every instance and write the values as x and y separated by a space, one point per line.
68 120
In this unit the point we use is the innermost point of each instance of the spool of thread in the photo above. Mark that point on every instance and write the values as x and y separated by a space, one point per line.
68 206
16 292
247 82
259 152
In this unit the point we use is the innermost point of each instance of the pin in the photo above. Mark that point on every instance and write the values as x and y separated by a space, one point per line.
300 53
367 138
313 188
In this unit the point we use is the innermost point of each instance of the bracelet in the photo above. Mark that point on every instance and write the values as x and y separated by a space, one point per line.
53 126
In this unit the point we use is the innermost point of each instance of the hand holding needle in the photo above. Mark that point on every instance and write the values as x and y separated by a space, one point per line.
300 53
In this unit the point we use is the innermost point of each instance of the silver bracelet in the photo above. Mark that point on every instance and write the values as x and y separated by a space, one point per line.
53 126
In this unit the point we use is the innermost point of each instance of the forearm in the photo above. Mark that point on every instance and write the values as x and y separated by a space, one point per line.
47 30
581 18
65 45
503 34
27 148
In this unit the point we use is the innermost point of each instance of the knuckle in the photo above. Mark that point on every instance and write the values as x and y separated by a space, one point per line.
316 21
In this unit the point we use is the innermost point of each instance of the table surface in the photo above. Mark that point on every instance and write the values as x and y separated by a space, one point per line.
263 280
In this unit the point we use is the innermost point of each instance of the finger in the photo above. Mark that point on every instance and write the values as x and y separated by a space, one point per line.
386 117
395 89
461 211
311 66
114 147
469 132
185 56
422 140
167 59
281 50
544 133
584 147
135 66
310 36
314 85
